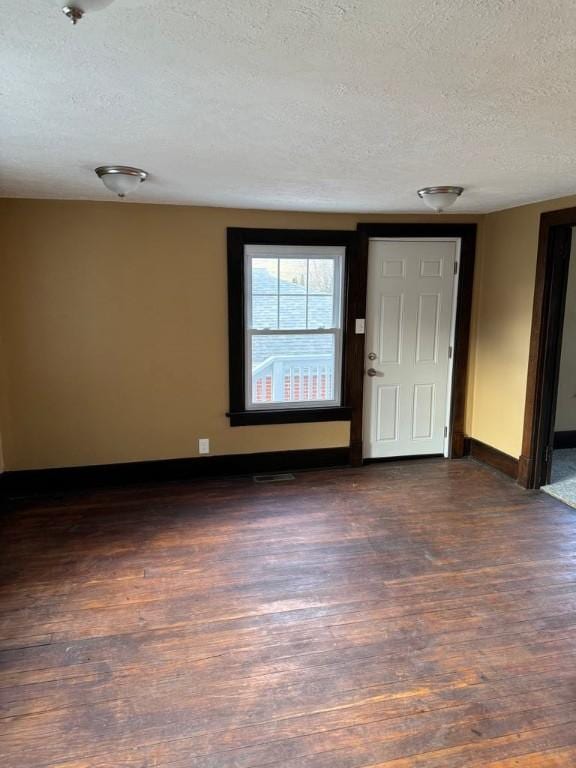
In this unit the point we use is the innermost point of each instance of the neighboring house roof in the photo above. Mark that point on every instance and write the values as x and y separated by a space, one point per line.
291 303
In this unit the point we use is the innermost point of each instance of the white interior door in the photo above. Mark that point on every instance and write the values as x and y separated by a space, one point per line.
409 320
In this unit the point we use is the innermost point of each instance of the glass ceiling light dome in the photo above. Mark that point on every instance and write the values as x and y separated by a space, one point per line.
440 198
76 10
121 179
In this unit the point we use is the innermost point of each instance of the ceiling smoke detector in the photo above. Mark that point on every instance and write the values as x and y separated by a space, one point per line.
77 9
440 198
121 179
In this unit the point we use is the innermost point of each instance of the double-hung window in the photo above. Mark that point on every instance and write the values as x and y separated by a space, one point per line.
292 328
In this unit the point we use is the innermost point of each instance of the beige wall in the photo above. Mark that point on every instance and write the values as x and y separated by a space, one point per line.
504 295
108 313
4 417
113 318
566 406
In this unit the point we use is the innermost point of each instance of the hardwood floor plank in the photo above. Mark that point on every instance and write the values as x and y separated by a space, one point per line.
407 615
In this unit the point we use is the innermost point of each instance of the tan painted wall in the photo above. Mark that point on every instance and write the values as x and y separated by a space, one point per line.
4 416
113 318
3 406
504 295
566 405
106 310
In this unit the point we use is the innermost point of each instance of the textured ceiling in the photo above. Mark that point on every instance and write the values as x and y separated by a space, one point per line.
309 105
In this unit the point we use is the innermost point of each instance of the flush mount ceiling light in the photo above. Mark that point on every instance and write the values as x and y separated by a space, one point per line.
440 198
76 10
121 179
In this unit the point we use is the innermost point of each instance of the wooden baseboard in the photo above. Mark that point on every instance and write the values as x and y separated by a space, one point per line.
36 481
565 439
525 471
30 482
492 457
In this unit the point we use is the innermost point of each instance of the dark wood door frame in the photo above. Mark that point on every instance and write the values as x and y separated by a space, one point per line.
545 345
357 307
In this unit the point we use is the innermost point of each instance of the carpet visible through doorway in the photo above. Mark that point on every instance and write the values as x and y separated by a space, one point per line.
563 480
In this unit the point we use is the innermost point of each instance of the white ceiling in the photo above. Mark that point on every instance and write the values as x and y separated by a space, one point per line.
344 105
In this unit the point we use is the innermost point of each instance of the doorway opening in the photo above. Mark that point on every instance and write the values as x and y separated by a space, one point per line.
545 419
562 480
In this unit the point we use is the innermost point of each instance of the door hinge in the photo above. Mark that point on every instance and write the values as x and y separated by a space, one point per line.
445 431
547 454
455 267
450 353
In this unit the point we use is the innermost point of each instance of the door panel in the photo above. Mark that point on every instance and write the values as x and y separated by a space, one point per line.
391 320
408 328
387 414
427 328
423 411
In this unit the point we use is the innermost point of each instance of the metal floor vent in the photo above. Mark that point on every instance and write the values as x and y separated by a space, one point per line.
273 478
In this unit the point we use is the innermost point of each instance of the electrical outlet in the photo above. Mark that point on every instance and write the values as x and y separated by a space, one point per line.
203 445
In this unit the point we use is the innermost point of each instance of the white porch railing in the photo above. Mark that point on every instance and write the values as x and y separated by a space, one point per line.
297 378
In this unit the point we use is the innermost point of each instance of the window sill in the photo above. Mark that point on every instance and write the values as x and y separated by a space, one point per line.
289 416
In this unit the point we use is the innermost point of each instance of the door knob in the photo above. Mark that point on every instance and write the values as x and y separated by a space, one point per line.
373 372
372 355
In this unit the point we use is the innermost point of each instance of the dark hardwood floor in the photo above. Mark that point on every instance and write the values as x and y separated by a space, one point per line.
408 615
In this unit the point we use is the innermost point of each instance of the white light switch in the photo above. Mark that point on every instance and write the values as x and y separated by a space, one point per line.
360 325
204 445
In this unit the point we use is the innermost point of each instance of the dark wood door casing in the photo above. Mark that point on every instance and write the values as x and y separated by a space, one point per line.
551 280
358 287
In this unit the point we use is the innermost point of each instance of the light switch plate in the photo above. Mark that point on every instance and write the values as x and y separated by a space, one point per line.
360 325
203 445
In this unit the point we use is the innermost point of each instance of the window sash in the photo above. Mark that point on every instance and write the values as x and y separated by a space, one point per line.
336 254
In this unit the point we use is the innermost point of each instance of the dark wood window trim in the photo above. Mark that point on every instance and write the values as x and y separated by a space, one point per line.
237 239
357 306
554 242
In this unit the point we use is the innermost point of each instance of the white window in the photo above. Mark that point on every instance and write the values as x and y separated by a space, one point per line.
293 326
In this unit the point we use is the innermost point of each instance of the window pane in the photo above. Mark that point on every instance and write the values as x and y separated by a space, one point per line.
264 275
294 368
293 275
292 312
265 312
321 276
320 311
